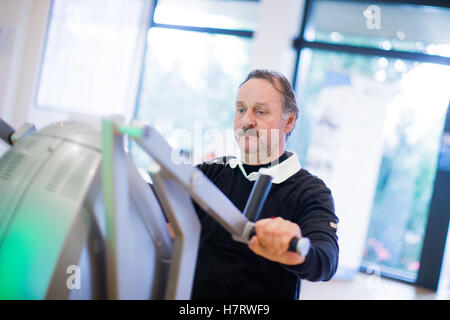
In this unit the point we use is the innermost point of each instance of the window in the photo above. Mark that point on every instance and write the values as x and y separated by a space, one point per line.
89 53
374 103
386 26
222 14
198 52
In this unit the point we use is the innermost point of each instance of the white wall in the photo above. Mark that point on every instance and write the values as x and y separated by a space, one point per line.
15 18
23 62
279 25
26 20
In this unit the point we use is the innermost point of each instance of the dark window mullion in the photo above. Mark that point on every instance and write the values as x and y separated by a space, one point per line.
297 43
416 56
239 33
432 3
435 237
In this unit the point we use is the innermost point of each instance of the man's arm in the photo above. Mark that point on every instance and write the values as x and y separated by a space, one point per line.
318 222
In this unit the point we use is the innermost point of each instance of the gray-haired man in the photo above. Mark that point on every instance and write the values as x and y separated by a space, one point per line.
299 204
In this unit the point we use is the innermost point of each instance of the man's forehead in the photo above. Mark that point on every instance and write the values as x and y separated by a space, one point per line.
259 84
258 90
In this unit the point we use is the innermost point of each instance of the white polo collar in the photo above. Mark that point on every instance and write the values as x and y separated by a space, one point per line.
280 172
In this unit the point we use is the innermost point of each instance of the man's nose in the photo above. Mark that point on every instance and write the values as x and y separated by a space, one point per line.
249 120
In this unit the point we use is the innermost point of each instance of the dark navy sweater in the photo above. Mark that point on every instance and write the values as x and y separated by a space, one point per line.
227 269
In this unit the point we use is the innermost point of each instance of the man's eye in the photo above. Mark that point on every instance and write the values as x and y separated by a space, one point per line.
260 112
240 110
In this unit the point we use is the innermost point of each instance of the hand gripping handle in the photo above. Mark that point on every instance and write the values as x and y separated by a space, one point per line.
293 244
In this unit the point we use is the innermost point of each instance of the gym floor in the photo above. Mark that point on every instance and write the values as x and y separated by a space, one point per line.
366 287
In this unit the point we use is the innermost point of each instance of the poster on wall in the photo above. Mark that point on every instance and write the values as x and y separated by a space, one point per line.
345 151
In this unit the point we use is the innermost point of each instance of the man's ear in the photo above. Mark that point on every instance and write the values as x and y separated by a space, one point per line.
290 121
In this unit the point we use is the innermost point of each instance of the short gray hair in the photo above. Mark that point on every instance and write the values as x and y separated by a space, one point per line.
282 85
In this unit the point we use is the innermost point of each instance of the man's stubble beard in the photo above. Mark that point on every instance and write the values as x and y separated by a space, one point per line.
263 150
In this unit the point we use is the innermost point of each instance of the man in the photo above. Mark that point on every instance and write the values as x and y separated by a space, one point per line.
299 204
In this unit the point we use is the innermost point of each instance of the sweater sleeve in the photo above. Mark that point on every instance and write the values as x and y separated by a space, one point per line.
318 222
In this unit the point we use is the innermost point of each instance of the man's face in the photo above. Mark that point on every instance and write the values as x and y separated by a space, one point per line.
258 121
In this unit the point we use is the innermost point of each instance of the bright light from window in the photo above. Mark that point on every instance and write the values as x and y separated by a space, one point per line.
88 60
222 14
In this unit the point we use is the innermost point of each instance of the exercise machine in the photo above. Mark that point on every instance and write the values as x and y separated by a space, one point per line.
78 221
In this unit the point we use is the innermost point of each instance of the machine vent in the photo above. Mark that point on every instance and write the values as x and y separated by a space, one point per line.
73 185
9 162
12 159
57 179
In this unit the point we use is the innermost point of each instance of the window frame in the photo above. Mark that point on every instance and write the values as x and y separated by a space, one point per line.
153 24
436 228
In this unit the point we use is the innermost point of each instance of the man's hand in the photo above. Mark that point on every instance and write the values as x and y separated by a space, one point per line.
272 240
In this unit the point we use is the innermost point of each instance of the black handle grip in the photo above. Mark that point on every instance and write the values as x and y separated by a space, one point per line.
257 197
292 243
255 203
6 131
